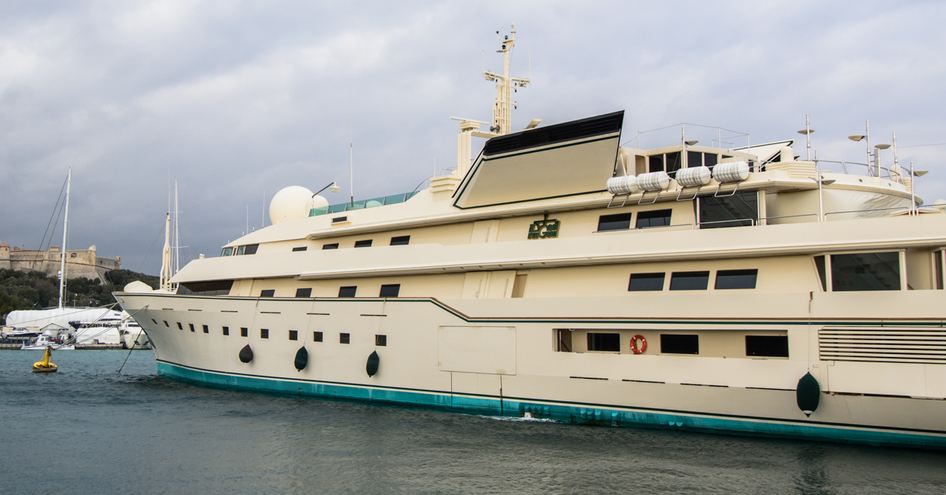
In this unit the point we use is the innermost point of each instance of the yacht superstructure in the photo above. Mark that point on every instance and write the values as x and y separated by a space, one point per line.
563 275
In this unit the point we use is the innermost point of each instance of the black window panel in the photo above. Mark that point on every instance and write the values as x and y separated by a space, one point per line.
865 271
293 335
738 210
316 336
226 330
654 218
655 163
190 326
347 291
609 342
390 290
179 326
380 340
304 292
709 159
166 323
205 328
339 219
331 245
264 333
736 279
299 248
363 243
689 280
250 248
344 338
401 240
822 273
244 332
674 162
267 293
646 282
674 343
618 221
556 133
767 345
694 159
210 288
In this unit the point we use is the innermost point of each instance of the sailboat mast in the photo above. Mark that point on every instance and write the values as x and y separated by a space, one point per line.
65 233
177 233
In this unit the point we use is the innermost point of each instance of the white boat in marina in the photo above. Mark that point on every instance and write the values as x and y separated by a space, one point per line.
47 340
562 274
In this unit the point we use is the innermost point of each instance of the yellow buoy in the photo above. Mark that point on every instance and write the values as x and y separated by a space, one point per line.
45 366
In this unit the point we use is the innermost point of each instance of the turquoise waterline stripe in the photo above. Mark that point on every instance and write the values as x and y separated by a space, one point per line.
561 412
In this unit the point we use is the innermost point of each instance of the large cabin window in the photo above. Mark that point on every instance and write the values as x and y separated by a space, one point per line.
250 248
363 243
738 210
563 340
736 279
401 240
330 245
655 163
604 342
227 251
267 293
347 291
390 290
618 221
304 292
865 271
767 345
654 218
689 280
675 343
674 162
646 282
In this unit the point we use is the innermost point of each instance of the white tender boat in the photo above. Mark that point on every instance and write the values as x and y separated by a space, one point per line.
561 274
44 341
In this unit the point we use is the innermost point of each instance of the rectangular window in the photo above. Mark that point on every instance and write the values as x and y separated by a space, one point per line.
656 163
191 326
381 340
689 280
299 248
344 338
293 335
865 271
239 250
347 291
244 332
822 273
250 248
694 159
767 345
227 251
604 342
738 210
264 333
267 293
339 219
390 290
226 330
673 343
619 221
710 159
331 245
363 243
563 340
205 328
655 218
674 163
316 336
401 240
304 292
179 326
646 282
736 279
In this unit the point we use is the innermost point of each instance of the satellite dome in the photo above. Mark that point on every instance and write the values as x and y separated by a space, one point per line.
290 203
137 286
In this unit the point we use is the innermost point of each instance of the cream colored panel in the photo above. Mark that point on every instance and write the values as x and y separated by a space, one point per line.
477 349
485 231
475 383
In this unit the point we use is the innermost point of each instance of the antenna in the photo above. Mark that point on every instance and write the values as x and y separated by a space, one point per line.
177 232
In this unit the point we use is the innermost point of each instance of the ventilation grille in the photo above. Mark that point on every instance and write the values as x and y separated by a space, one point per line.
883 345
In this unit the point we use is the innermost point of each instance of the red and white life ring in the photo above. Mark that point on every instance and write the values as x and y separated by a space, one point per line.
638 349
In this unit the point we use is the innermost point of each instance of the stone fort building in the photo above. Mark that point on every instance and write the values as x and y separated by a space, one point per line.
79 263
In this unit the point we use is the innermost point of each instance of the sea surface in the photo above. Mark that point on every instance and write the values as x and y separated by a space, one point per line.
90 429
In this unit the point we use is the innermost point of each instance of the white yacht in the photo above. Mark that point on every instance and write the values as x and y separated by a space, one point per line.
562 274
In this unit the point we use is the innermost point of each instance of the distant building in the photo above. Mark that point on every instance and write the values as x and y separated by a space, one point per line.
79 264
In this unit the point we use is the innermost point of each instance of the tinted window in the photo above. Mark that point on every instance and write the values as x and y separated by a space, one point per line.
299 248
331 245
610 342
390 290
401 240
646 281
363 243
656 218
244 332
226 330
381 340
344 338
736 279
317 336
656 163
304 292
694 159
671 343
347 291
267 293
709 160
264 333
250 248
738 210
767 345
619 221
673 163
205 328
689 280
293 335
865 271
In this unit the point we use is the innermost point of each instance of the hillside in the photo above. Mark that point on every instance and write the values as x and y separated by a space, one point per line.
34 290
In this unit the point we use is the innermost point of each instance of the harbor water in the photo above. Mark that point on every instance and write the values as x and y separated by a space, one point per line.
89 429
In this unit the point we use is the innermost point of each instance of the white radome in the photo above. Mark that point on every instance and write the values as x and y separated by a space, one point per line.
293 203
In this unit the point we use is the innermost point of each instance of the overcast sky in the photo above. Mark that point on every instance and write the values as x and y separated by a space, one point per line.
238 99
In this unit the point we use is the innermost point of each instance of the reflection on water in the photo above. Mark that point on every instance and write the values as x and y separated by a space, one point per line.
139 433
